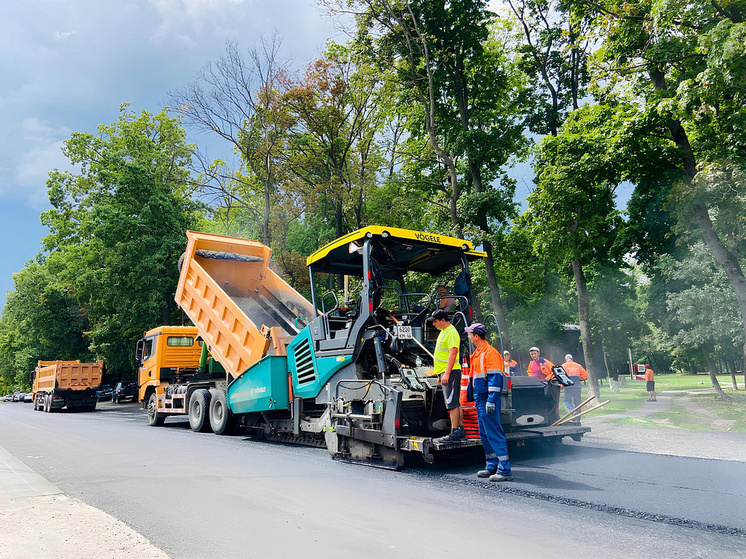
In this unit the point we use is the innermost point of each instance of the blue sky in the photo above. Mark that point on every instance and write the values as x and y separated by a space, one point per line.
67 65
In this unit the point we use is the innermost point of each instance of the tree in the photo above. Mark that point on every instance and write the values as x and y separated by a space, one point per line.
332 148
703 306
572 210
241 101
687 62
554 55
465 92
117 228
41 320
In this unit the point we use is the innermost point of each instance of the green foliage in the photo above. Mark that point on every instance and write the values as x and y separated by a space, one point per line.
41 320
540 322
553 54
117 228
572 211
704 312
614 317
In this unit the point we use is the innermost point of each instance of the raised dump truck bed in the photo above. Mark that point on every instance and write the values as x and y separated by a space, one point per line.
246 315
66 384
228 290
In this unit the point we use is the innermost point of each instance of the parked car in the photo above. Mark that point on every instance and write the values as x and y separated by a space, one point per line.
8 398
17 396
28 397
123 391
105 392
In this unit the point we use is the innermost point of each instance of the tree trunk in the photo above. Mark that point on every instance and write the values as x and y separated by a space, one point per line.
714 378
613 381
167 311
339 229
497 303
585 327
267 208
727 260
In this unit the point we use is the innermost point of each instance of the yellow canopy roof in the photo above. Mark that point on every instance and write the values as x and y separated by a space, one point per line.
397 251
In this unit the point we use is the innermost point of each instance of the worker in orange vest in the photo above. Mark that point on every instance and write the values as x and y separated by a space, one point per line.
538 366
511 367
577 373
650 383
487 372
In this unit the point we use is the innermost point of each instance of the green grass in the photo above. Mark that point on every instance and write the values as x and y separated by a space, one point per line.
683 416
678 417
734 408
697 415
634 395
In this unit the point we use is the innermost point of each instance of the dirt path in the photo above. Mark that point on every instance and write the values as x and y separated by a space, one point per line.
716 443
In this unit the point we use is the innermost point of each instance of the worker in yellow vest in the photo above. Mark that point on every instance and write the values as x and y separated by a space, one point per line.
446 364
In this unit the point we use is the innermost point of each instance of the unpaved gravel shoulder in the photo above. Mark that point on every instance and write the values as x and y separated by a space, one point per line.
717 443
65 528
670 441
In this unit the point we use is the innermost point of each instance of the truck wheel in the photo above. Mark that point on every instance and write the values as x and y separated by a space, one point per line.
155 419
198 410
47 403
221 419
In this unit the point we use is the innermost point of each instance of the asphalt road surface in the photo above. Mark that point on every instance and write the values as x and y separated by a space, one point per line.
203 496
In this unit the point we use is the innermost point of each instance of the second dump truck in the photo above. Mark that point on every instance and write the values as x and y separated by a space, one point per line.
66 384
347 374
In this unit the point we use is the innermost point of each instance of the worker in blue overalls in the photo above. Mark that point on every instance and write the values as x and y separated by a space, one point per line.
487 372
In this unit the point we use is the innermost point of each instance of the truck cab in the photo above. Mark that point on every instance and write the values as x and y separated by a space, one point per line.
164 354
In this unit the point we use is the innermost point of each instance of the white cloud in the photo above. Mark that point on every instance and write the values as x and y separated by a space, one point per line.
62 35
189 22
41 153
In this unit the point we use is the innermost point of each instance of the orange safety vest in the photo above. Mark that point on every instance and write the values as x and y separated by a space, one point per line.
573 368
545 368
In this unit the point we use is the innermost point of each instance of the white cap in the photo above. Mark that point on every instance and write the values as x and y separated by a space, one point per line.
534 349
568 357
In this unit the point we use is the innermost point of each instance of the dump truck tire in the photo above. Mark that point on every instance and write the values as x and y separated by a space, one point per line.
222 421
47 403
199 411
155 419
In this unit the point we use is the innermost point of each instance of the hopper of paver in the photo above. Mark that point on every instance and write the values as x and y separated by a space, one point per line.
229 292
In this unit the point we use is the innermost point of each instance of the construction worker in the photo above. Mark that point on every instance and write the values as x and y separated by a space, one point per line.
445 301
446 364
576 372
487 372
538 366
511 367
650 383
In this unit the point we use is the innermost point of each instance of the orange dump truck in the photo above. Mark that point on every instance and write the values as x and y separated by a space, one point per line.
66 384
